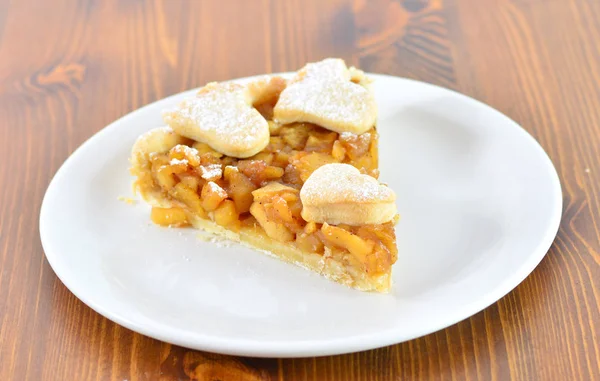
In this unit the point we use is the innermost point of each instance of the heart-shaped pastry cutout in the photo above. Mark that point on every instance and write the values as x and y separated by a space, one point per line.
222 116
340 194
324 93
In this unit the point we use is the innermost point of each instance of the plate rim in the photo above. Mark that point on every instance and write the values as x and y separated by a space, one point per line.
324 347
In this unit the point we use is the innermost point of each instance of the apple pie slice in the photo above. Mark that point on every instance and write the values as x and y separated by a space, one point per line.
288 167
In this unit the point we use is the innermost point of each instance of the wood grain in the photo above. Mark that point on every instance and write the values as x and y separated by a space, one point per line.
68 68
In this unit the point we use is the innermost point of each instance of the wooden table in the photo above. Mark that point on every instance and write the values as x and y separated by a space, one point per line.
68 68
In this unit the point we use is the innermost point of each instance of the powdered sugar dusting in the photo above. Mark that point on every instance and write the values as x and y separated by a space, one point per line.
336 183
215 188
190 151
348 135
211 171
177 162
322 93
222 116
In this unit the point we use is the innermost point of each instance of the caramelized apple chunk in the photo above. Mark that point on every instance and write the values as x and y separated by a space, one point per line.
274 230
239 188
164 177
227 216
267 157
274 128
189 197
320 141
295 135
357 246
309 242
356 145
271 189
183 153
305 164
275 210
259 172
381 233
276 144
212 195
175 217
338 152
281 159
191 181
210 172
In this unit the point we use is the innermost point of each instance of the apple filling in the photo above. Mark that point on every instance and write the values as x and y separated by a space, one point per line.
262 192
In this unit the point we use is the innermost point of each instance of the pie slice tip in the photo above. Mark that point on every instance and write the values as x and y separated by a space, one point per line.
287 167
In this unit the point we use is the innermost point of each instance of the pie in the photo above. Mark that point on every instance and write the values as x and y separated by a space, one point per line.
285 166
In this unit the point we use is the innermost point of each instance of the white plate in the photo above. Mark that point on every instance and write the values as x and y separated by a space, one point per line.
480 204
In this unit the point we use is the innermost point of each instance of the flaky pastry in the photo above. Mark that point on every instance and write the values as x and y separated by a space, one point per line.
324 93
340 194
305 192
156 141
222 115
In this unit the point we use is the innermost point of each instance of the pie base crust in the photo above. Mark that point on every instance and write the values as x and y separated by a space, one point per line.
255 238
342 230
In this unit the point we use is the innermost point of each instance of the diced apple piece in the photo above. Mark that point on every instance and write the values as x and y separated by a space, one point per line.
203 148
276 144
291 176
384 233
227 216
281 159
276 231
309 243
228 171
190 181
228 160
295 135
307 164
210 172
358 247
264 156
209 159
374 148
164 177
279 212
320 141
380 259
169 217
292 196
212 195
189 197
184 153
266 193
272 172
295 206
356 145
310 228
338 152
258 171
158 160
240 189
274 128
283 211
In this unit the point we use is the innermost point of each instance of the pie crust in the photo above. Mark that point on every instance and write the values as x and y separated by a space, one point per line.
285 167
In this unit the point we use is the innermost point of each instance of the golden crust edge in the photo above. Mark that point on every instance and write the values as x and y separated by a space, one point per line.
323 265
